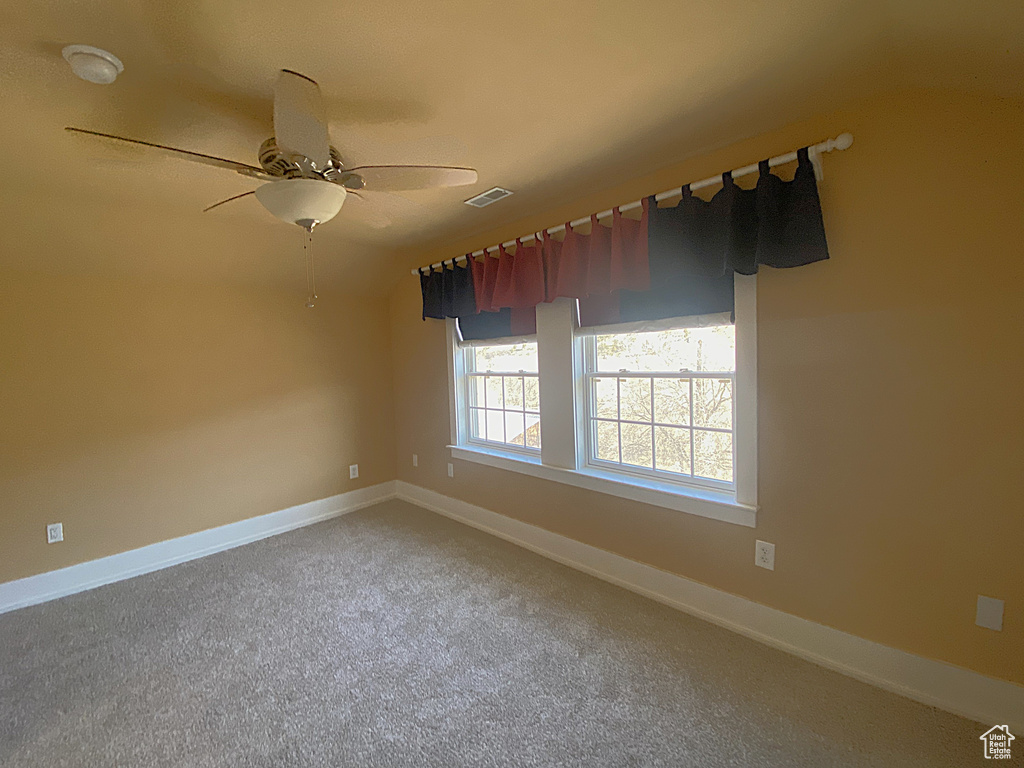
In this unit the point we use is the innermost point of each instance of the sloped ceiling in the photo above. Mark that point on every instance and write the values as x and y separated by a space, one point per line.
547 98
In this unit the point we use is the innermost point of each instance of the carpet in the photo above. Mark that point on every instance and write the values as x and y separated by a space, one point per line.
395 637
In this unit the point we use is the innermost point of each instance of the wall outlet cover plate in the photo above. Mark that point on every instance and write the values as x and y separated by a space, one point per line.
764 555
989 613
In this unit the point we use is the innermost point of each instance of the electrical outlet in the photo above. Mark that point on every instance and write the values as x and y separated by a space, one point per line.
415 460
451 469
764 555
989 613
353 471
54 533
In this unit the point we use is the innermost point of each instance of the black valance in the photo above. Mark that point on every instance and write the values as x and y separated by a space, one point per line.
498 324
448 293
776 224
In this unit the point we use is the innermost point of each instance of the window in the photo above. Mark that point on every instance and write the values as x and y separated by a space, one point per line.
662 413
503 394
659 403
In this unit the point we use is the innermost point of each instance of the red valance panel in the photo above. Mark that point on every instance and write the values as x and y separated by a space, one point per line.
567 265
629 268
605 260
519 280
485 275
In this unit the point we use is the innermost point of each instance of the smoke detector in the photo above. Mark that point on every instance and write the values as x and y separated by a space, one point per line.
93 64
490 196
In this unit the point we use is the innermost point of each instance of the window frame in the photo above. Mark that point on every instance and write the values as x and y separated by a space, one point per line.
468 405
564 421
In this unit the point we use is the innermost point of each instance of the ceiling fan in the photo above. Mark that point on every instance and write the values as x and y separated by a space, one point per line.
307 179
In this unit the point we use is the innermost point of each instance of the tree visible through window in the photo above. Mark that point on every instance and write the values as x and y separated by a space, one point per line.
661 402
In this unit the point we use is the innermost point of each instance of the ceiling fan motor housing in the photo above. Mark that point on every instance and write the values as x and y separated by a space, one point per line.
279 163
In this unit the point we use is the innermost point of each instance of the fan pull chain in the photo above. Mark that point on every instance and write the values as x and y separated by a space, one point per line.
307 247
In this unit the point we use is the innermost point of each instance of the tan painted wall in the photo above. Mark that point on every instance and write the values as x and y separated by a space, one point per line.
136 412
890 411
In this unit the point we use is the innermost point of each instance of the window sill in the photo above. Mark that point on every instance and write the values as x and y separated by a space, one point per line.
692 501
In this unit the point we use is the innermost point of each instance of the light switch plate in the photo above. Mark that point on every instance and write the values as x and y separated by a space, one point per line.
989 613
54 533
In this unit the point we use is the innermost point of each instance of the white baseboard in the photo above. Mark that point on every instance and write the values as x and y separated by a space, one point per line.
125 565
931 682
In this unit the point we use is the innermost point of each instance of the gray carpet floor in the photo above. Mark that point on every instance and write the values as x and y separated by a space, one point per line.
395 637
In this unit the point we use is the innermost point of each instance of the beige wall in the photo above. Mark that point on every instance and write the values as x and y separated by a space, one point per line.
890 411
137 412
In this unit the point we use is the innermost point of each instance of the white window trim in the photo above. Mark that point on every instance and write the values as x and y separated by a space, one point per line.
563 443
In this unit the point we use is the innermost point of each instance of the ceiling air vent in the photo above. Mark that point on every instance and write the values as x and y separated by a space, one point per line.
488 197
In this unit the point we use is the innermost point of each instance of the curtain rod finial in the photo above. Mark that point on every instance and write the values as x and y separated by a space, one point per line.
842 141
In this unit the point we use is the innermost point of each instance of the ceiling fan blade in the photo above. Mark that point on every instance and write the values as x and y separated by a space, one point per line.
367 212
396 178
300 121
236 197
381 209
196 157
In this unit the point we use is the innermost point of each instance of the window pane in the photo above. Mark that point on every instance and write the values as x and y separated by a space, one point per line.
712 455
635 401
712 403
477 428
682 349
694 415
531 389
514 428
510 358
514 392
476 390
496 426
672 401
532 431
606 399
495 398
672 449
607 441
636 445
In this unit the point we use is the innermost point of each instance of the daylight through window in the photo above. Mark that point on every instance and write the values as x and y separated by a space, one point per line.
504 395
660 403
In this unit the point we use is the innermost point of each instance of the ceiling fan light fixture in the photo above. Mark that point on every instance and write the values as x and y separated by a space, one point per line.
305 202
93 64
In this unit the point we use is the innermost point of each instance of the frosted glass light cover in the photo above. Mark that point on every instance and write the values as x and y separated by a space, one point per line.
295 200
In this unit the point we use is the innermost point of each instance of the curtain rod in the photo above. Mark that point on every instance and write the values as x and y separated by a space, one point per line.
840 142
